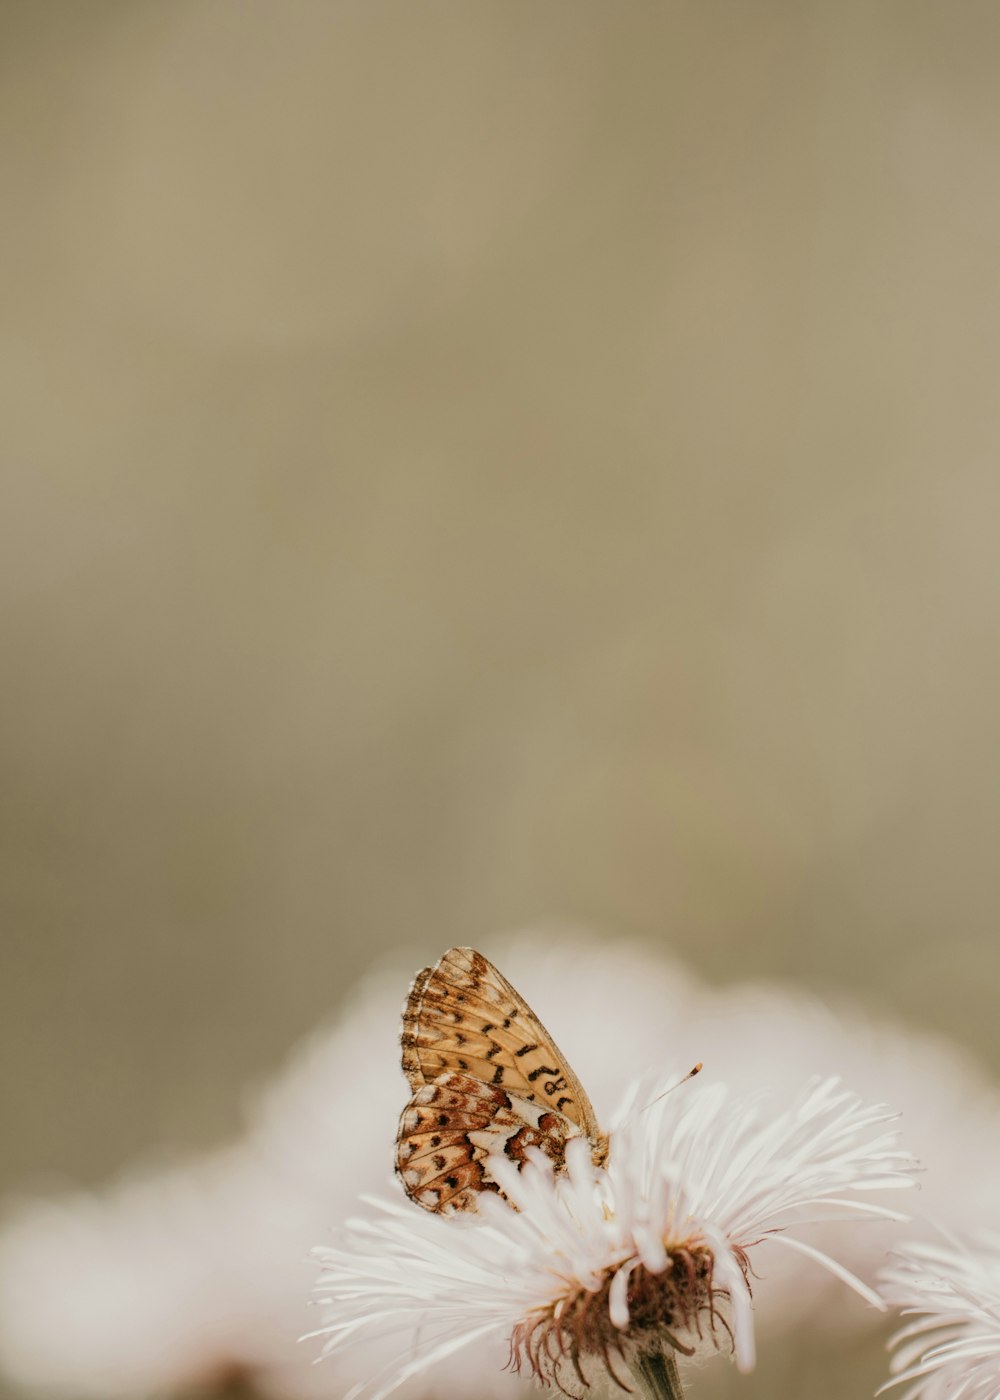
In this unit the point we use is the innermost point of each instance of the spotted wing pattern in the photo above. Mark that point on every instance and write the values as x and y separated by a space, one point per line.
487 1077
450 1129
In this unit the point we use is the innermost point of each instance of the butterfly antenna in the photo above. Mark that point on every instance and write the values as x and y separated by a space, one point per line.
690 1075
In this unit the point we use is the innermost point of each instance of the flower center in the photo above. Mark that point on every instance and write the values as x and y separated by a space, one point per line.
562 1343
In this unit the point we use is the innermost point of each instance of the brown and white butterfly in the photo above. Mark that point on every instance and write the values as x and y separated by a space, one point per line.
487 1078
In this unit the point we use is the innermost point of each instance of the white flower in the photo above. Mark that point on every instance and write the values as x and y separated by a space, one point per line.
952 1348
600 1268
167 1278
156 1282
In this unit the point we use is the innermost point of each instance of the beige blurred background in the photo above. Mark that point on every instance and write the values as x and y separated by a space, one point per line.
469 462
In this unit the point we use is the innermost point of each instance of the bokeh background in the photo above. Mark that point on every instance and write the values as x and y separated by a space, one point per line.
471 462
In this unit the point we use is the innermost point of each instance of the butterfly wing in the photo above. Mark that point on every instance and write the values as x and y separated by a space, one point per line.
487 1078
463 1015
453 1126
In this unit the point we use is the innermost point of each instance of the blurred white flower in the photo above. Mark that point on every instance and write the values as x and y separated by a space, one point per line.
952 1348
647 1257
201 1270
137 1286
173 1278
758 1035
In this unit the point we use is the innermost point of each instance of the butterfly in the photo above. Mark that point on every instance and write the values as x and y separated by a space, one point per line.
487 1078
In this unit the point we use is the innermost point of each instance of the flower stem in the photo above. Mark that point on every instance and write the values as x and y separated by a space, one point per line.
657 1370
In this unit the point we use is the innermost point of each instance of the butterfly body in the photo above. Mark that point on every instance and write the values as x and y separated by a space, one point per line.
487 1079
